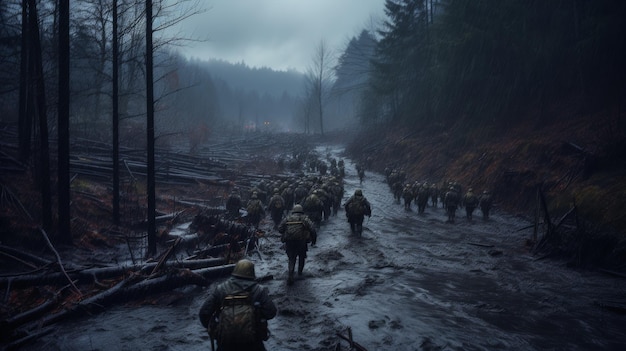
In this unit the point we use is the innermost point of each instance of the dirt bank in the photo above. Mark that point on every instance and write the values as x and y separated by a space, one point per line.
576 162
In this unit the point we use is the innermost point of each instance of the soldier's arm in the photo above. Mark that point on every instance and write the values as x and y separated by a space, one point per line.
268 309
210 305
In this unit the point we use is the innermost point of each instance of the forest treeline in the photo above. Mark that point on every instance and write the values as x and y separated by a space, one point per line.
494 61
429 63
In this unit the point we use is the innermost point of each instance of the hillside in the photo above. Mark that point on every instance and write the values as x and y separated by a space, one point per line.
577 162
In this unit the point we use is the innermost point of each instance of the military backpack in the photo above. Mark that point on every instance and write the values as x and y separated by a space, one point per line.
296 230
239 322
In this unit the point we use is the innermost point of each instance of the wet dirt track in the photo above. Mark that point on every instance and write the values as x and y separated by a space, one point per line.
412 282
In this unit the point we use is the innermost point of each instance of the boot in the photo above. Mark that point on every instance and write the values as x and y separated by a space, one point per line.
300 266
292 266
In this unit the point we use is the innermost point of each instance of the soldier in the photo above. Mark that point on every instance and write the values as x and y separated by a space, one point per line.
397 190
470 201
255 209
322 167
326 202
313 207
434 194
422 197
300 193
361 172
276 207
288 196
485 203
407 195
234 203
242 283
336 189
296 231
357 207
451 202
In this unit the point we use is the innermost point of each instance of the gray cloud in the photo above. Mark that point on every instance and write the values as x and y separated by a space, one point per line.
280 34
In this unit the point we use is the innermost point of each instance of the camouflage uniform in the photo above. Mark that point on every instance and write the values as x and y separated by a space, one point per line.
357 207
235 284
485 204
313 207
233 204
451 202
276 207
255 209
297 248
470 201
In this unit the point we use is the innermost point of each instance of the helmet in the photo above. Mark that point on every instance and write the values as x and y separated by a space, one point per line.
276 191
244 269
297 209
358 192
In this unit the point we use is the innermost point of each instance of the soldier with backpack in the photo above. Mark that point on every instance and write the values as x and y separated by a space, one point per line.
357 207
470 200
233 204
255 209
450 203
296 231
485 203
236 311
276 207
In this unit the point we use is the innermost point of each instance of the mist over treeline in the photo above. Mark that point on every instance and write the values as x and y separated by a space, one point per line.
430 63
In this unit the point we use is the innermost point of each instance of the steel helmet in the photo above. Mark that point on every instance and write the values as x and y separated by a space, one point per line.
358 192
298 209
244 269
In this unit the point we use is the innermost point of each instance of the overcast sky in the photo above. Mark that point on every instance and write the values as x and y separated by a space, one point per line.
280 34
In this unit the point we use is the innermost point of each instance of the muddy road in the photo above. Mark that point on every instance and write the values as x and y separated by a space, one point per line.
412 282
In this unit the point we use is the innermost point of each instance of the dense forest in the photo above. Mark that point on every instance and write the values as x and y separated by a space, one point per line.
453 66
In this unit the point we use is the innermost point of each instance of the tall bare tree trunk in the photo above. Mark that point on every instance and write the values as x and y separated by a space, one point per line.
150 130
40 96
64 234
116 122
25 116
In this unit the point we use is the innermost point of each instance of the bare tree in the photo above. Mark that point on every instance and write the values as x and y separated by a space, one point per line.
320 77
64 234
37 97
25 121
115 115
150 130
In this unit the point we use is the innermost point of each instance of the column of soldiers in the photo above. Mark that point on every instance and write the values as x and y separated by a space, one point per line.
450 194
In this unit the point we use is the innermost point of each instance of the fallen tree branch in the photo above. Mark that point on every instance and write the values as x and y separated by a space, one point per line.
353 344
45 236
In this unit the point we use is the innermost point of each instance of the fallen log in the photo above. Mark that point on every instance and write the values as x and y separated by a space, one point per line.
89 305
93 274
36 312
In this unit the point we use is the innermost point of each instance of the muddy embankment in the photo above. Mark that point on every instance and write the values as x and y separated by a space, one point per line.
576 165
